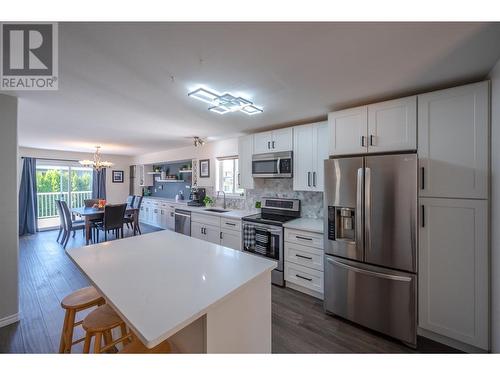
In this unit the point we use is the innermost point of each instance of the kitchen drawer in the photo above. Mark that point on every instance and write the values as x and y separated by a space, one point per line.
304 238
205 219
304 256
303 276
230 224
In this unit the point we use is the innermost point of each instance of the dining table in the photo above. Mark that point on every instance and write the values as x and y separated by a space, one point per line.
92 213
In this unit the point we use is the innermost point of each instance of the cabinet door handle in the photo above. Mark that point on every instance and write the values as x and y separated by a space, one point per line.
273 145
362 141
201 230
269 145
303 238
220 235
371 139
309 179
423 216
302 277
302 256
314 179
232 224
422 178
239 181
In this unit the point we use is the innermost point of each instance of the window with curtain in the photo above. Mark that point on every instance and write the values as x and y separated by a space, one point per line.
227 175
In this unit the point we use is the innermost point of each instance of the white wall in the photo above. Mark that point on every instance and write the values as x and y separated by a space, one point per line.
9 218
495 207
115 192
211 150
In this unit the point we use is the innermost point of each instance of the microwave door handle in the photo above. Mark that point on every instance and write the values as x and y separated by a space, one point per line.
278 162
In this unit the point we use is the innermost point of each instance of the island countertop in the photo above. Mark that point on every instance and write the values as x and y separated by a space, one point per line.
161 282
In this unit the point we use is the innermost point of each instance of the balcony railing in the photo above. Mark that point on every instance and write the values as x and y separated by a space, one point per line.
47 202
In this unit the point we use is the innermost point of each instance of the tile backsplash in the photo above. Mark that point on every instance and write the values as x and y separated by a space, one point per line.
311 202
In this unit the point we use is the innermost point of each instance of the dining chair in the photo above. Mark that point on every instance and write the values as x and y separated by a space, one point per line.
113 220
129 219
61 221
130 200
69 224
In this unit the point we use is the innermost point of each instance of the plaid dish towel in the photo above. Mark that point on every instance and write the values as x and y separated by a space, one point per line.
248 236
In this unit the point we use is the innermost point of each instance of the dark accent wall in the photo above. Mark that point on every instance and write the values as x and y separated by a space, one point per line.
170 189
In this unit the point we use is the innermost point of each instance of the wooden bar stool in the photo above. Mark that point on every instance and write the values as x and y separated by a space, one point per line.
137 347
77 301
98 324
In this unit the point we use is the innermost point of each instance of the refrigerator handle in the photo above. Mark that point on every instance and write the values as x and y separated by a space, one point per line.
368 194
359 205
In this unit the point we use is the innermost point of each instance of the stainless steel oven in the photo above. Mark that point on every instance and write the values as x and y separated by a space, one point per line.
263 233
273 165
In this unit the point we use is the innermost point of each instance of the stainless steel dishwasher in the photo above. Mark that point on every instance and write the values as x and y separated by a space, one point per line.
183 221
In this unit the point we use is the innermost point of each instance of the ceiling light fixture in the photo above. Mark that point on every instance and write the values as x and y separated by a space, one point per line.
225 103
97 163
198 141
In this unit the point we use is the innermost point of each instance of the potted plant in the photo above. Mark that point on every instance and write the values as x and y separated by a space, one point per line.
209 202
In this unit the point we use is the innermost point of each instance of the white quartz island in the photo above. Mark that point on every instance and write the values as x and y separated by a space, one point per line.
203 297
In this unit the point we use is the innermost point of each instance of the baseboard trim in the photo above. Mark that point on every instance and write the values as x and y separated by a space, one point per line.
300 288
449 341
9 320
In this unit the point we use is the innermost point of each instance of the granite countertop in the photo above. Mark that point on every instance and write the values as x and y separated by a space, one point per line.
306 224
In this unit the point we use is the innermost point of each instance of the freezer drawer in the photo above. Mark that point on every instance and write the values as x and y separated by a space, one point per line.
377 298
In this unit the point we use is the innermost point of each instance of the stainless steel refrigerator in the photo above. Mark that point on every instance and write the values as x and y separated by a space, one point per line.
371 242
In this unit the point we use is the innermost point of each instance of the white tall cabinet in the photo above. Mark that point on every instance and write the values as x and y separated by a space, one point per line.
245 151
453 269
310 149
453 150
453 142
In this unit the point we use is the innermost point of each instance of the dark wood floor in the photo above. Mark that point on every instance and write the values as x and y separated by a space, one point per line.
46 275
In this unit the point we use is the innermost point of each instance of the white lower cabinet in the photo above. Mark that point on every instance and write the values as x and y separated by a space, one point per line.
231 239
216 229
453 269
304 261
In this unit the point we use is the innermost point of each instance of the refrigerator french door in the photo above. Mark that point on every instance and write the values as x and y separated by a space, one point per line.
370 242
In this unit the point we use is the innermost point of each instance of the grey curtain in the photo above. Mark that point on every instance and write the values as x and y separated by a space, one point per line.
99 184
28 198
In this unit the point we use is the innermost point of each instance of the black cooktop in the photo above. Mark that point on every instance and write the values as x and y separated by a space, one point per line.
268 219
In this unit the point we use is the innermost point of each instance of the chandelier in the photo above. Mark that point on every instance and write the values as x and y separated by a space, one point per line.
225 103
97 163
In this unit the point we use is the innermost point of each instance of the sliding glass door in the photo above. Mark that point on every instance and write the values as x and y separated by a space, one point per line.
66 181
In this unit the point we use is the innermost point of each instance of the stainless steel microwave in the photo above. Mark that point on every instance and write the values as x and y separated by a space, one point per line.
273 165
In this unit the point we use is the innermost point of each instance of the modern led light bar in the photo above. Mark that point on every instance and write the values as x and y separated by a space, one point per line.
225 103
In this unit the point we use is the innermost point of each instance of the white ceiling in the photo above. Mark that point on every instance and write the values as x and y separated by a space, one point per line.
125 85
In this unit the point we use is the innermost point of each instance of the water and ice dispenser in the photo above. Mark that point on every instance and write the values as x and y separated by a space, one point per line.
341 224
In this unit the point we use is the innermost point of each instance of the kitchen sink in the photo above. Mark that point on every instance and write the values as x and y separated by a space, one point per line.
215 210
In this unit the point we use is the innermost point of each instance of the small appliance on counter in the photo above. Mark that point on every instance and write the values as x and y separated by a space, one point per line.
263 233
197 196
180 196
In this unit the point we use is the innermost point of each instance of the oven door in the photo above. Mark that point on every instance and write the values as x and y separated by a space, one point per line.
265 241
277 164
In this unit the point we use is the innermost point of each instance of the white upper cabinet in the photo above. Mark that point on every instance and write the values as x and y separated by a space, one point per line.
310 149
273 141
245 151
348 131
453 269
282 140
262 142
392 125
453 142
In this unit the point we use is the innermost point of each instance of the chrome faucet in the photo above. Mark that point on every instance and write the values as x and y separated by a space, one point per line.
223 192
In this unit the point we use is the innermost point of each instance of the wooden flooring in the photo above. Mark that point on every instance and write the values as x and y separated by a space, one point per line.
46 275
